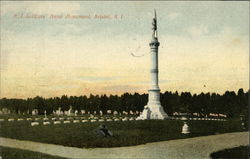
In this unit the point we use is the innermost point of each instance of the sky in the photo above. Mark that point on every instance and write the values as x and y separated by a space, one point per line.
71 48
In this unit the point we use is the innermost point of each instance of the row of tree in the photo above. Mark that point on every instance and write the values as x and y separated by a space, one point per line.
230 103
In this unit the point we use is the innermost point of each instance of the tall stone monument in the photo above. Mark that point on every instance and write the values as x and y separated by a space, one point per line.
154 110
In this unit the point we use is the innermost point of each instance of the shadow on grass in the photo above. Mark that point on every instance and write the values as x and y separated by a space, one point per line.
241 152
13 153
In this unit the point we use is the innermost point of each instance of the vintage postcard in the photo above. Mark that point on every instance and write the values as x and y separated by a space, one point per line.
124 79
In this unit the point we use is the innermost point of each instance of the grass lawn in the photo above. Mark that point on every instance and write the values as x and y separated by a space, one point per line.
12 153
241 152
125 133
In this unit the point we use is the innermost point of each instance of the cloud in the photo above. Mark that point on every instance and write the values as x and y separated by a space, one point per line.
74 66
199 30
173 16
39 7
51 58
120 88
97 78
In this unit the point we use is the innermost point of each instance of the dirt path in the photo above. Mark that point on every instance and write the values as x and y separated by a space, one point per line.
192 148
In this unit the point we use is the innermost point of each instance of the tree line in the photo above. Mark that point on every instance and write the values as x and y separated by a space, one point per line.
230 103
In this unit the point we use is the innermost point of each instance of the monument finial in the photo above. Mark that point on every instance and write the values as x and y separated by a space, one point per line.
155 13
154 26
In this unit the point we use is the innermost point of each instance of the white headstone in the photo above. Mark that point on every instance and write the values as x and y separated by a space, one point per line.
183 118
76 121
46 123
83 111
34 112
34 123
29 119
185 129
66 122
57 122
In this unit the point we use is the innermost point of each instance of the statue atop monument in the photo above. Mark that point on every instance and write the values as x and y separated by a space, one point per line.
154 28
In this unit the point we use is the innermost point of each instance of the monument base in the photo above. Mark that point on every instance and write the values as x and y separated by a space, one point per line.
153 112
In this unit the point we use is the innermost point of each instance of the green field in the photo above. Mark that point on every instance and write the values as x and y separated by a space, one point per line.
12 153
126 133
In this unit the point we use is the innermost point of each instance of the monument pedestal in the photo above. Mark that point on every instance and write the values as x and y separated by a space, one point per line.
153 110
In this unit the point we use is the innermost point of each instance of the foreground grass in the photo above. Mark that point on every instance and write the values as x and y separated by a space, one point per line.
125 133
241 152
12 153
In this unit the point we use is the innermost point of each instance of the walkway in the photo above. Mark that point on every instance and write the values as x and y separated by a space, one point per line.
191 148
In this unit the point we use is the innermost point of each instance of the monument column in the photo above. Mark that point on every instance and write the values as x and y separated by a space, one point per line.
154 110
